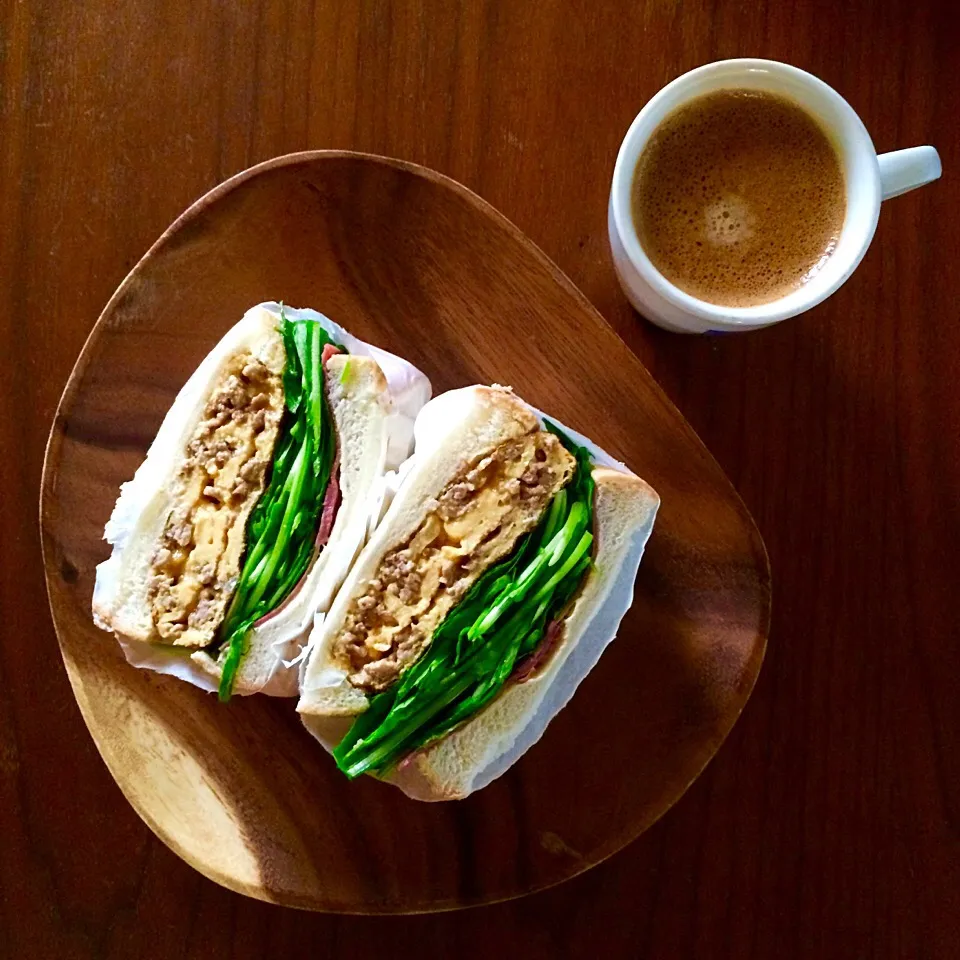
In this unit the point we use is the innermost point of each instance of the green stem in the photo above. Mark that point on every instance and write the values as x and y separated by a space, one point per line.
385 749
298 473
582 547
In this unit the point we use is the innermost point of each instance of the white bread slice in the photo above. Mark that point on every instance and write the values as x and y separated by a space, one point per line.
120 599
373 418
450 431
490 742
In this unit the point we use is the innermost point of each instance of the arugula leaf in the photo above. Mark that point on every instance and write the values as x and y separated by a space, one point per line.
282 526
474 651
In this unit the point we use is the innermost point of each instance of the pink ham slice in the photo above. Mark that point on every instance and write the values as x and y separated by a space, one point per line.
328 514
331 503
532 663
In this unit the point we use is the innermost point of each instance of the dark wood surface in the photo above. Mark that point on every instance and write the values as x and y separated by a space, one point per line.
827 825
413 261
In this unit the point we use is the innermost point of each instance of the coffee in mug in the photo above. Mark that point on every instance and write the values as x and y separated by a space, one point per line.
738 198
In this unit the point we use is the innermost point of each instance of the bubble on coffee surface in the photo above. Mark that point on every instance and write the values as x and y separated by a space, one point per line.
728 221
738 198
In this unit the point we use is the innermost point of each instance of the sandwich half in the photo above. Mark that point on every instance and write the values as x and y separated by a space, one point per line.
254 499
498 574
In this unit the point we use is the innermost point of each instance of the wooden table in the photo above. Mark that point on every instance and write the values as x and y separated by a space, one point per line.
829 823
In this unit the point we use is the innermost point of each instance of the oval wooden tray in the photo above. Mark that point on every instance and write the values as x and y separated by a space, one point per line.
418 264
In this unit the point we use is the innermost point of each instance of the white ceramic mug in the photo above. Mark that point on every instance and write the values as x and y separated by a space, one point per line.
869 180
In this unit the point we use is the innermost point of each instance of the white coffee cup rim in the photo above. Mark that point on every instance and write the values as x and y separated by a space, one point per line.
849 137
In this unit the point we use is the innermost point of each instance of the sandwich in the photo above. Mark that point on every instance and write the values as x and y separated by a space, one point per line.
498 574
258 492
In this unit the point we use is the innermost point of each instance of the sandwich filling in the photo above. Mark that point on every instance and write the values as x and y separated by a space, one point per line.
475 521
217 486
486 616
254 501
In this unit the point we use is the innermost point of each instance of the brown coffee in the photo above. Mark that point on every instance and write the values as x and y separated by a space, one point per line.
739 198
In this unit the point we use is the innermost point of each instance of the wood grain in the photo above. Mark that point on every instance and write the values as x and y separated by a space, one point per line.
415 263
827 824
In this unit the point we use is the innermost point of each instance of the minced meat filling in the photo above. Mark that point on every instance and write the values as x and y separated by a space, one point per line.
476 521
197 562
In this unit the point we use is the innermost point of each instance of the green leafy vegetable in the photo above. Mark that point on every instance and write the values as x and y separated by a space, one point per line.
475 649
283 525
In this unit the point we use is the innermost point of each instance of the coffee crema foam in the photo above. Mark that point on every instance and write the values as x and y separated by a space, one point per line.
738 198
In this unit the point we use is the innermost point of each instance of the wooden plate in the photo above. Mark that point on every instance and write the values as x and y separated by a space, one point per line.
418 264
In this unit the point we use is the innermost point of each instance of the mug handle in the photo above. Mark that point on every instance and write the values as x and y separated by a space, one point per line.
903 170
